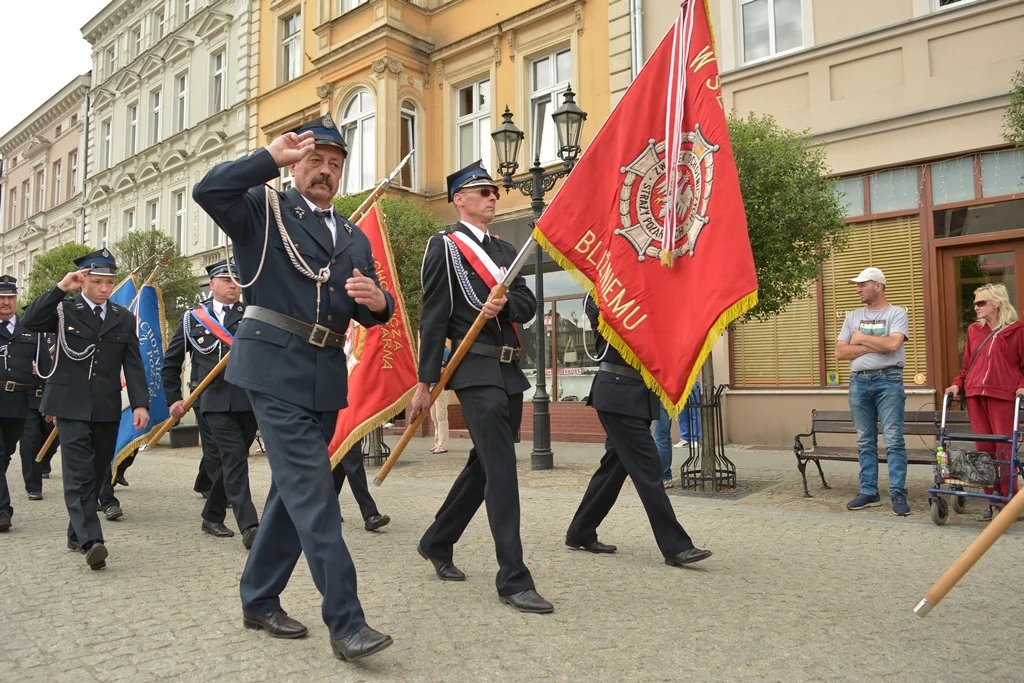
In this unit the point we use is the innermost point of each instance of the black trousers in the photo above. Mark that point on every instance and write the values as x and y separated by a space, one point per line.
10 432
629 450
86 451
351 466
489 477
233 434
37 431
207 466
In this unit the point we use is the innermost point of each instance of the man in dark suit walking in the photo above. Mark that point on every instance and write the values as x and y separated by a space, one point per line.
37 429
317 275
460 268
626 408
96 339
207 333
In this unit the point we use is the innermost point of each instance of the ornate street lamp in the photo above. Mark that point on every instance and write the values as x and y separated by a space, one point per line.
508 141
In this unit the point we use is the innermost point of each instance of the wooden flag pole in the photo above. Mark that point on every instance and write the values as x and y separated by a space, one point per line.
454 361
46 445
166 425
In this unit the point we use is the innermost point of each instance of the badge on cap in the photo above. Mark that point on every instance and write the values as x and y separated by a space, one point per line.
328 121
106 254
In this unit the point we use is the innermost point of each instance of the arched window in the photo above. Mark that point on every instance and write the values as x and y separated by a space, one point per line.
358 127
408 143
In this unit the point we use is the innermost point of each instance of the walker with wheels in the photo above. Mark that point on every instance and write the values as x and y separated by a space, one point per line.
971 472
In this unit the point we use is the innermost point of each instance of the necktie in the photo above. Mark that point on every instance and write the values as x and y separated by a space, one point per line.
487 242
322 215
99 312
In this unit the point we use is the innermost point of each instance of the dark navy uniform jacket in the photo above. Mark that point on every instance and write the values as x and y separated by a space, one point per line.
220 396
612 392
45 362
265 358
17 353
70 392
447 314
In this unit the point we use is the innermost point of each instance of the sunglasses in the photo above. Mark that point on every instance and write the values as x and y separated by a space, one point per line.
979 304
487 192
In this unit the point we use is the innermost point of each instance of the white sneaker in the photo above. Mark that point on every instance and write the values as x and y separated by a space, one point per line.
389 425
683 443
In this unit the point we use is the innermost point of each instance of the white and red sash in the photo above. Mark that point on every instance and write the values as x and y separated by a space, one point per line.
471 253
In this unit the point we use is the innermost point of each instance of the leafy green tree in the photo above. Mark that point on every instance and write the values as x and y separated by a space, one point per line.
1014 117
409 227
143 251
50 268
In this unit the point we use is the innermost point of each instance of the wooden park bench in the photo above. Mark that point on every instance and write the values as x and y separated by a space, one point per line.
915 423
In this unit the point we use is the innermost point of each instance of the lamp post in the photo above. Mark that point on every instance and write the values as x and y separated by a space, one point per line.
508 140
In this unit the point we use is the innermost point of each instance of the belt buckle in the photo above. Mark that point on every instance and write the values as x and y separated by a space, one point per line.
502 355
39 393
10 386
318 337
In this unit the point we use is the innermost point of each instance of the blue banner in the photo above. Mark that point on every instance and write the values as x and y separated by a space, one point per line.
124 293
148 310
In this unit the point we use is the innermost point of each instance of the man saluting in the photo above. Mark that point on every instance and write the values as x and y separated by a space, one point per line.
96 339
288 353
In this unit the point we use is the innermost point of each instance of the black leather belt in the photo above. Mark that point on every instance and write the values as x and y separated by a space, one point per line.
504 354
11 387
38 393
623 370
317 335
879 371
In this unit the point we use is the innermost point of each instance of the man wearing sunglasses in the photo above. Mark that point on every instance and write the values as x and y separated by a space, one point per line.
873 339
461 267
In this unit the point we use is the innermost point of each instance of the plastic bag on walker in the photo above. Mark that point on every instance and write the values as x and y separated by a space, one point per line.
971 467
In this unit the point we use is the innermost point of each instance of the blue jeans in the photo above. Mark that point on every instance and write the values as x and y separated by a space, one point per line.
663 431
879 399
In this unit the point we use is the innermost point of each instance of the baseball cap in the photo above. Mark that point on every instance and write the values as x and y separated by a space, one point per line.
870 275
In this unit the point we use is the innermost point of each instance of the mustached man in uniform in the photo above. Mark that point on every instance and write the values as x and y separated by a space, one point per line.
460 268
626 408
18 349
96 340
207 333
37 429
288 353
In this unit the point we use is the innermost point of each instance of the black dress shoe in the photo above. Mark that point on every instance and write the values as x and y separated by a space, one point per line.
96 556
204 494
113 512
216 529
528 601
35 495
73 545
363 643
688 557
277 624
45 475
249 536
5 521
594 546
374 522
121 481
446 571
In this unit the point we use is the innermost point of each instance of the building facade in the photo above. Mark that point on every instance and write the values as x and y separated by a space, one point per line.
168 102
41 185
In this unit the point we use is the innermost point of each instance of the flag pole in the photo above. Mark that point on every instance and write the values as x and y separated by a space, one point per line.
46 445
456 358
379 190
166 425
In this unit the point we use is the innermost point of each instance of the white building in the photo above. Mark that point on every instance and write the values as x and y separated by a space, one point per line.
168 102
41 184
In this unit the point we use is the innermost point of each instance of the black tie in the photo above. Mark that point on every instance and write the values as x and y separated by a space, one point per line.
487 242
322 215
99 312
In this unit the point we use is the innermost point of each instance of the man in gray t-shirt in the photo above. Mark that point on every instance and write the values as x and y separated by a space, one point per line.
872 339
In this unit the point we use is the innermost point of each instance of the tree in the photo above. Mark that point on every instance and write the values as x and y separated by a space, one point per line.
409 227
1014 118
141 251
50 268
795 221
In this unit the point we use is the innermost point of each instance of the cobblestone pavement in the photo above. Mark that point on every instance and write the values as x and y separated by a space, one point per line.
797 590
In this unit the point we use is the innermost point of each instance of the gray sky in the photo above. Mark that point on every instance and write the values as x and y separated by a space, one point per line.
42 49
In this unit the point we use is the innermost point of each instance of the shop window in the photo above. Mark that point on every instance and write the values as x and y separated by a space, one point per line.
851 194
886 245
894 190
1002 173
781 351
978 220
953 181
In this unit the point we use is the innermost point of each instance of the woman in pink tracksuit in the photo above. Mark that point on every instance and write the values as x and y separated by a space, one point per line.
991 381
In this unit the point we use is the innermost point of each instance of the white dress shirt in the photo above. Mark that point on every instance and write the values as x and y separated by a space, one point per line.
331 223
477 232
220 310
92 307
11 323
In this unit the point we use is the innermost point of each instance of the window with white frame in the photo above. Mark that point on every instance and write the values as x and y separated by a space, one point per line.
56 183
21 270
185 9
181 102
549 79
473 123
160 22
770 27
132 117
358 126
105 137
102 232
179 219
12 218
291 47
155 118
26 195
135 41
213 231
40 190
110 61
128 221
349 5
153 214
73 167
218 82
943 4
407 143
287 182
